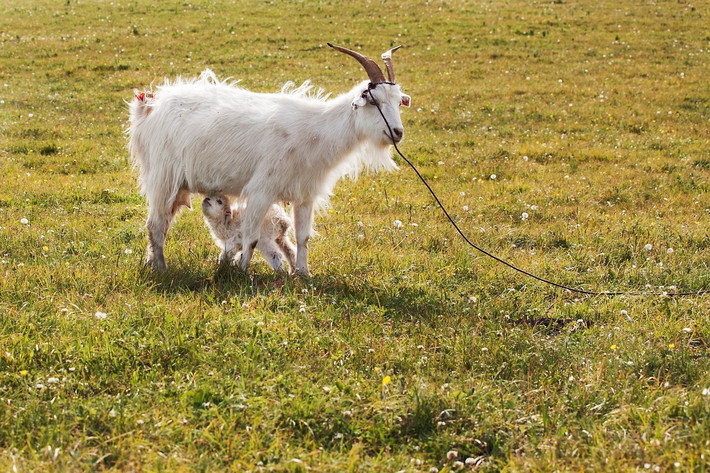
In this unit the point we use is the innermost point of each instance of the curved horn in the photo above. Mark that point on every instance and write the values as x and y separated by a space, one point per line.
387 57
373 70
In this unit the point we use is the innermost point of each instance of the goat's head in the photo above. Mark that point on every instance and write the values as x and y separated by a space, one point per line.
379 95
216 205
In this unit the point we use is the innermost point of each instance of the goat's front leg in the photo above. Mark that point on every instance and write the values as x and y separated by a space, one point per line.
303 222
227 255
230 247
288 250
272 253
251 224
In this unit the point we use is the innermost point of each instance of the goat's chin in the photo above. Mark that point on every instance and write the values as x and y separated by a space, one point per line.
387 140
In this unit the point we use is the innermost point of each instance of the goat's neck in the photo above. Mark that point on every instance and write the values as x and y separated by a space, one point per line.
338 133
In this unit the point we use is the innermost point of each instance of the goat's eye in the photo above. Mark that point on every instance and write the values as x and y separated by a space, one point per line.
369 98
219 201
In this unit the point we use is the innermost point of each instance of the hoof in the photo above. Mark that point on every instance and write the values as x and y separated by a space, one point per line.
303 273
158 266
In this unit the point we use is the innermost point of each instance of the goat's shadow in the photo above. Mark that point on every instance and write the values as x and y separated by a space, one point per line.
401 303
223 283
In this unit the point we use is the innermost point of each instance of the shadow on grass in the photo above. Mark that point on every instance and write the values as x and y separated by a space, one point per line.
551 325
398 301
395 301
182 278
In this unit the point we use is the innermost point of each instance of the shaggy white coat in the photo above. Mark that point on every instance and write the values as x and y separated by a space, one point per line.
210 136
225 224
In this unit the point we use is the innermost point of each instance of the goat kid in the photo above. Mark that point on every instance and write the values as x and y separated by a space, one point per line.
225 221
210 136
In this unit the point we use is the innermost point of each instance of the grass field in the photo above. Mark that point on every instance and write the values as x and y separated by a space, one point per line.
571 138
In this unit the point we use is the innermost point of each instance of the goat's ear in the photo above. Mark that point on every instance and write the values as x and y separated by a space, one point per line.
359 102
406 100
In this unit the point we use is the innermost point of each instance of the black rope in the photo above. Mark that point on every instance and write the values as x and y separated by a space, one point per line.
502 261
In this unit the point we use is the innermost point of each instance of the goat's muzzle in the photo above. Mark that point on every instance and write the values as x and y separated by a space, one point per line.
397 134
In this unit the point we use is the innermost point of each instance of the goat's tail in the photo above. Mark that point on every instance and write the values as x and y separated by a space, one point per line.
141 106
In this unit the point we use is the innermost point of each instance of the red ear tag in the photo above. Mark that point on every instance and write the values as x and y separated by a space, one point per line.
406 101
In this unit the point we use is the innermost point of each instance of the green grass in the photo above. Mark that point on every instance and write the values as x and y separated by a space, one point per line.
406 344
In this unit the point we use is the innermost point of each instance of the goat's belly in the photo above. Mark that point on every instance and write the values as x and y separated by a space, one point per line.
216 173
218 185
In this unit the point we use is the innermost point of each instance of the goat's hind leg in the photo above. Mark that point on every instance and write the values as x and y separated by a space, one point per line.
160 216
157 226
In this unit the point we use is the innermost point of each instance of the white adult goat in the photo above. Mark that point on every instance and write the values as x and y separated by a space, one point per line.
209 136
